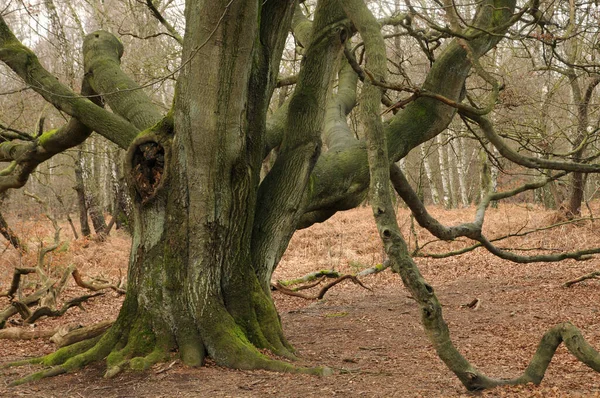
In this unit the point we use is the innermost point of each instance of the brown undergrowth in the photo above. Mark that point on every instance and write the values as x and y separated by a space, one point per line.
373 339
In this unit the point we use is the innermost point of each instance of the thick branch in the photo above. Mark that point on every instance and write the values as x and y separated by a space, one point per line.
25 64
341 178
80 334
102 53
280 193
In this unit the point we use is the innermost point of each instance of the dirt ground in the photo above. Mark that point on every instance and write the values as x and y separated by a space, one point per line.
372 339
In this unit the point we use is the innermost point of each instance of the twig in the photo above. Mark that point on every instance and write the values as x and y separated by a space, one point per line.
474 305
593 275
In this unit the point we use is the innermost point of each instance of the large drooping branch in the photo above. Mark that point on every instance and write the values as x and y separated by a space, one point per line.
396 248
473 230
27 66
25 155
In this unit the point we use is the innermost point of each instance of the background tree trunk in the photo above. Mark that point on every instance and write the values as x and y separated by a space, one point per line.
81 200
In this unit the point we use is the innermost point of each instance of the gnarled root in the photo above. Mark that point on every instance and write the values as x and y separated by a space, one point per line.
138 342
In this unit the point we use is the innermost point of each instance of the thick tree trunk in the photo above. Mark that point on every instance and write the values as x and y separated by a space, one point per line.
444 174
435 195
192 284
193 280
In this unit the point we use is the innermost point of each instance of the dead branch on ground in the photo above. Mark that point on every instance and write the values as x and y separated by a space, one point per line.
323 290
49 311
68 335
592 275
91 285
319 276
62 336
16 280
15 333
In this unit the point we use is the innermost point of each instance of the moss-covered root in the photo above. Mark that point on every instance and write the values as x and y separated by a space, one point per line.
229 346
160 353
30 361
58 357
70 358
144 348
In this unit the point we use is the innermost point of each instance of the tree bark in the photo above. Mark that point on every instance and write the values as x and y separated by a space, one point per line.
81 200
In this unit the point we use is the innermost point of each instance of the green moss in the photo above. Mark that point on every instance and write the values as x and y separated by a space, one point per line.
64 354
43 139
380 267
336 315
159 354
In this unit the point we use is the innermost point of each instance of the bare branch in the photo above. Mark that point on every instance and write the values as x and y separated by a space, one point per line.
170 28
593 275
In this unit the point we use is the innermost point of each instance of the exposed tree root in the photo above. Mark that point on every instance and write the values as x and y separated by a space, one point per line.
139 344
593 275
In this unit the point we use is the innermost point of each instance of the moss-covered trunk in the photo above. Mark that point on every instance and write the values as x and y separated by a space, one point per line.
192 284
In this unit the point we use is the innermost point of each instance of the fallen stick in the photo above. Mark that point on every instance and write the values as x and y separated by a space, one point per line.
15 333
47 311
67 337
323 290
593 275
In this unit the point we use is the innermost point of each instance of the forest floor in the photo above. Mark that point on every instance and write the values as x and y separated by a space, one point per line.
372 339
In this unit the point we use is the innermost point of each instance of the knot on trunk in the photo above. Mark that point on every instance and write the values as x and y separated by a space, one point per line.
147 168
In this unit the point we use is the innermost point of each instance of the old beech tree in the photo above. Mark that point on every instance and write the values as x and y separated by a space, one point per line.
208 231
